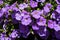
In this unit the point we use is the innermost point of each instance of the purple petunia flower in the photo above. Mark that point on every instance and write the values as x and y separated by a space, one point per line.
1 2
15 8
22 6
49 5
14 34
40 1
26 20
56 27
58 6
24 30
35 27
59 23
3 37
40 30
25 17
58 1
36 13
5 10
47 8
41 21
33 4
57 34
53 25
55 15
58 9
18 16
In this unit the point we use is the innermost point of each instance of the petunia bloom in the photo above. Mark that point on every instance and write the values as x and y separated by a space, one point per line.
40 1
33 4
41 21
36 13
58 1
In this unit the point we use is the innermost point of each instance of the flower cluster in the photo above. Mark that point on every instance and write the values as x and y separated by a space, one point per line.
29 17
